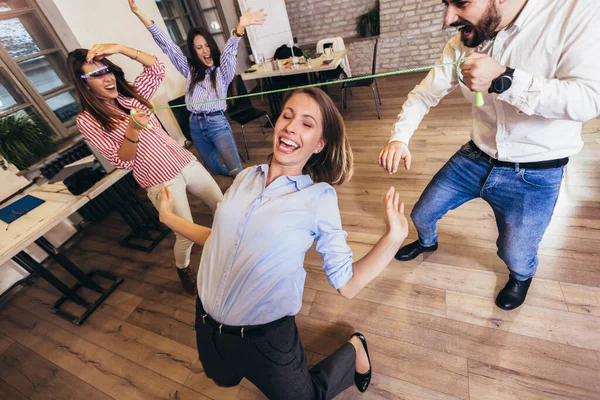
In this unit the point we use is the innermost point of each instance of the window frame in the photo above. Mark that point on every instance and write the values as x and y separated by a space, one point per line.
61 132
197 15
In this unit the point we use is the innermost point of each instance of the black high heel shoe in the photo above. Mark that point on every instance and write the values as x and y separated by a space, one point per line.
362 380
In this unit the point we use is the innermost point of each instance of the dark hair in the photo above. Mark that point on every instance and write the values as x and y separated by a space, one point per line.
197 67
334 163
106 116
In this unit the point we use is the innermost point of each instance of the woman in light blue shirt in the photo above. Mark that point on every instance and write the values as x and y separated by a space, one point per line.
251 274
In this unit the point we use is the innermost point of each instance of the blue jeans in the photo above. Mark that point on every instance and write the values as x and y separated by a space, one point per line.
212 137
523 201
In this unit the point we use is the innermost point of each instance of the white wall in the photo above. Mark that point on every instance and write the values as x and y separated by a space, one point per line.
232 20
83 23
10 181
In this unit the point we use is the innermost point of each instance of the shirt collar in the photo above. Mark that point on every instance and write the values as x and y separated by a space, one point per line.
301 181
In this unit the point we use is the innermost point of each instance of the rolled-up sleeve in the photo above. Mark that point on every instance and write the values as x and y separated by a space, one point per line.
147 83
331 240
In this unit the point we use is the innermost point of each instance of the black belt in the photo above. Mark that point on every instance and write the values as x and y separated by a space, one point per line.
203 114
242 331
559 162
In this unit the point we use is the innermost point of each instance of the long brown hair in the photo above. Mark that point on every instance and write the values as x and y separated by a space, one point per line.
197 67
105 115
334 164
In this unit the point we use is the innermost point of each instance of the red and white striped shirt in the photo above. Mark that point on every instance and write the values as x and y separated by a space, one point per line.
159 158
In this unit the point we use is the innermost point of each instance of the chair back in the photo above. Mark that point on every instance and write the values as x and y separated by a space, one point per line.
283 52
238 88
182 115
338 44
375 57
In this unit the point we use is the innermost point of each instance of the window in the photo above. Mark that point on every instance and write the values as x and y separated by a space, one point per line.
34 80
213 18
181 15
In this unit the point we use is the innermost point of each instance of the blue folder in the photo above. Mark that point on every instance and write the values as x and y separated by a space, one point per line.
20 207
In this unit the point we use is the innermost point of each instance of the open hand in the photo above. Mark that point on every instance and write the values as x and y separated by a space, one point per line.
391 154
99 51
397 225
252 18
165 205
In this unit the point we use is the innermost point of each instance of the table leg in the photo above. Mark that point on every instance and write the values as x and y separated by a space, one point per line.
144 224
67 264
69 293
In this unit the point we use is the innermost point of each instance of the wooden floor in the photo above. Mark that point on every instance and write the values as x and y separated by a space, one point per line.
432 327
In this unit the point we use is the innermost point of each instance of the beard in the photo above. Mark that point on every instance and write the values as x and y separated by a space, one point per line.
473 36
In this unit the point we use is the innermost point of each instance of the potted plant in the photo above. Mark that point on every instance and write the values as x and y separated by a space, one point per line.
24 140
368 23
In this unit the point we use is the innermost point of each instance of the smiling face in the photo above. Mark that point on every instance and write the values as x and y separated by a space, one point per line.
203 50
105 86
477 20
298 132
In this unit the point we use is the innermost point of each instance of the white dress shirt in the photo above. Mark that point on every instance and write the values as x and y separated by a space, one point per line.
554 47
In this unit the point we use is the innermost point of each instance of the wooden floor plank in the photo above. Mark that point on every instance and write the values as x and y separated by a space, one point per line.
64 349
124 379
553 325
582 299
157 353
37 378
490 382
562 363
432 328
9 392
435 370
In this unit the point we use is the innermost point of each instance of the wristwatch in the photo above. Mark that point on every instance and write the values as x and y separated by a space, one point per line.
502 83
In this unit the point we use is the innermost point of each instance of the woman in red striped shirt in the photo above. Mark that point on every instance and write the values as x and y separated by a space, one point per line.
138 142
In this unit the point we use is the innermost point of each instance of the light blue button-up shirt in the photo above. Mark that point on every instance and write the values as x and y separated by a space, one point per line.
252 266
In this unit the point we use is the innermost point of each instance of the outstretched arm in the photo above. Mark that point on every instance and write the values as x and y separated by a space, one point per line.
196 233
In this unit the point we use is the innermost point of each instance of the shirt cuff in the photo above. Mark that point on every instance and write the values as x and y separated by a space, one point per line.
341 277
233 36
516 95
154 29
399 136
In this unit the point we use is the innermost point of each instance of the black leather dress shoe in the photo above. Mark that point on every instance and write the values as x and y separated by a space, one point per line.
411 251
513 294
362 380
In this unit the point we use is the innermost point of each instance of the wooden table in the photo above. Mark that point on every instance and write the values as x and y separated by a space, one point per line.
312 67
117 190
60 204
31 228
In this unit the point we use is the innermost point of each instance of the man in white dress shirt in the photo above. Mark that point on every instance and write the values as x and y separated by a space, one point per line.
536 61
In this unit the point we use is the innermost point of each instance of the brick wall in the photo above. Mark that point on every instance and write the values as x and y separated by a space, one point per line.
312 20
360 55
411 30
411 33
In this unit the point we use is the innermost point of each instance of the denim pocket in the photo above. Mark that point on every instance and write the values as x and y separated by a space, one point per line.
542 178
216 119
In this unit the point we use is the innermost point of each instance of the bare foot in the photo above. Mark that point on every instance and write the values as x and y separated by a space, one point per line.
361 365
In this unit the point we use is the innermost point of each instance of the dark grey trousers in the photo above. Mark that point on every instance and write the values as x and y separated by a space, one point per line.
274 362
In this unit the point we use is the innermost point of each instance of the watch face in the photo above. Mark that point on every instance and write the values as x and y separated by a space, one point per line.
502 84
